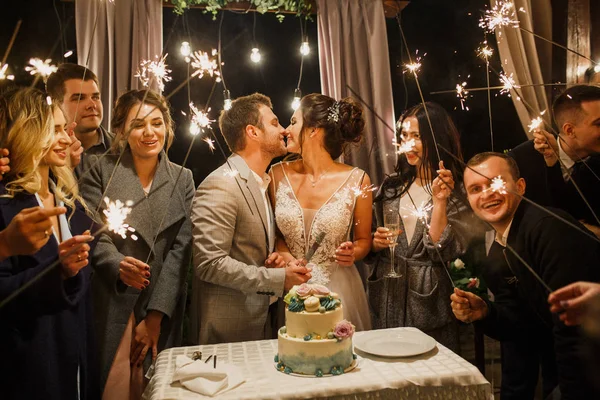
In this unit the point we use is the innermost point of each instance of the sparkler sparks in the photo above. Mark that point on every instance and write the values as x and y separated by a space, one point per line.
41 68
363 192
462 94
210 142
508 83
406 146
200 119
421 212
502 14
415 64
535 124
3 73
116 212
205 64
498 185
154 69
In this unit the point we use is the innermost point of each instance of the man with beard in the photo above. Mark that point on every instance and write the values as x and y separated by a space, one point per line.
238 277
528 237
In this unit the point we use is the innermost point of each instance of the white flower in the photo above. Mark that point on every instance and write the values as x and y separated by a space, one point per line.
459 264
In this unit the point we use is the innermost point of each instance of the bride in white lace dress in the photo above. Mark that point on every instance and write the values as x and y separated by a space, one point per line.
315 194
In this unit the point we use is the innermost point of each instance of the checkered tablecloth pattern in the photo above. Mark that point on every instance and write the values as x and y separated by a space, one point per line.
438 374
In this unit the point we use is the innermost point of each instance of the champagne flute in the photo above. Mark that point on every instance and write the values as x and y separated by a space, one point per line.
391 220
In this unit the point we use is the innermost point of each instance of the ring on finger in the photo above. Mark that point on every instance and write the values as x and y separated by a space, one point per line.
78 257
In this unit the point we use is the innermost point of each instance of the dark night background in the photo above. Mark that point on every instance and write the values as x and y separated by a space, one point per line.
446 30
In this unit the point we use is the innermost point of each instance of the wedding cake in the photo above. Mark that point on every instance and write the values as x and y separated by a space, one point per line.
316 340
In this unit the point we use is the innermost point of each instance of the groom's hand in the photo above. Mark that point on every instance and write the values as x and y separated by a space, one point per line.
275 260
296 274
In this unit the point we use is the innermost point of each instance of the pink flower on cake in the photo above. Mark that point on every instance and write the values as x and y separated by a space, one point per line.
473 283
343 329
320 290
303 290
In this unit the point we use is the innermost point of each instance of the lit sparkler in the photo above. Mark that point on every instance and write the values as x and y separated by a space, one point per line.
498 185
535 124
485 52
508 83
406 146
210 142
501 14
363 191
41 68
421 212
3 73
154 69
205 64
462 93
414 65
116 212
200 119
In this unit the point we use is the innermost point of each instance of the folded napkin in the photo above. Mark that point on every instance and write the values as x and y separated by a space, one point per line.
202 378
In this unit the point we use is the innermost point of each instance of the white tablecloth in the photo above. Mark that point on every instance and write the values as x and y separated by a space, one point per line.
438 374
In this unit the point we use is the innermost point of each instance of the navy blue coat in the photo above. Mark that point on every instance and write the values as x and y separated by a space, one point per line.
46 332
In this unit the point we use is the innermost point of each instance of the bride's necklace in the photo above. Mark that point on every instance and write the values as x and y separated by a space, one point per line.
313 181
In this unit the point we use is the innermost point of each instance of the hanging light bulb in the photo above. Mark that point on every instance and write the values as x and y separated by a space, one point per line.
185 49
597 68
297 98
227 102
305 48
255 55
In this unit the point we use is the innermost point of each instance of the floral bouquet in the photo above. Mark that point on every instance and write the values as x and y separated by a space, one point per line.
465 277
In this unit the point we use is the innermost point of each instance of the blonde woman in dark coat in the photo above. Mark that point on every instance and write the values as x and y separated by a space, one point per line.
139 286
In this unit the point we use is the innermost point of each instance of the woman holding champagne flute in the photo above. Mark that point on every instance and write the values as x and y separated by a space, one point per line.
423 225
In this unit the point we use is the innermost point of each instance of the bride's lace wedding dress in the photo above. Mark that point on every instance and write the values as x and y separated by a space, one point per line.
335 218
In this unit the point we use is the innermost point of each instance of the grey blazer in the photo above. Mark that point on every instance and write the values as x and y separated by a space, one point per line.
231 289
114 301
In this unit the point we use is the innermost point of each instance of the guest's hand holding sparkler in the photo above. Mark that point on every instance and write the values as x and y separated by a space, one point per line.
571 301
442 185
75 149
134 273
467 307
4 161
28 231
275 260
545 143
344 254
74 253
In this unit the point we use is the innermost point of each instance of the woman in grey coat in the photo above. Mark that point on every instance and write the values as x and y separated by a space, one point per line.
139 285
432 229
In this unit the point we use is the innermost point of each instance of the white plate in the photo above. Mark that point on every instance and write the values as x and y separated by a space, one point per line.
395 343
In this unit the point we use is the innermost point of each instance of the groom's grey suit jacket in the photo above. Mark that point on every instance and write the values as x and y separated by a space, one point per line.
231 242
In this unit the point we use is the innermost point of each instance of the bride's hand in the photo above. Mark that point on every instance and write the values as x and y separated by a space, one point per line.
275 260
344 254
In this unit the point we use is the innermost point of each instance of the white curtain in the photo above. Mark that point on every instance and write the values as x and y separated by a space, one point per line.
527 58
354 61
112 40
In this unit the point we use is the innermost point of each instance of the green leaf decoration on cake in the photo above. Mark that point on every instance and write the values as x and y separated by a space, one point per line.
276 359
291 294
319 373
288 370
329 303
296 305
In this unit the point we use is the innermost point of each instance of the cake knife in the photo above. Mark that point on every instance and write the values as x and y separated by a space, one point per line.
315 246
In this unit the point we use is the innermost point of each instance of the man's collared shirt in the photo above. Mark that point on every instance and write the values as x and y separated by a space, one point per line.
566 163
503 238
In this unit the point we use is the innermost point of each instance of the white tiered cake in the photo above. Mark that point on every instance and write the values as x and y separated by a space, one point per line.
316 339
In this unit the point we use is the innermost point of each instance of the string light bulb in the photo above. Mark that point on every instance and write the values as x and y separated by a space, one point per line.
297 98
227 100
255 55
185 49
305 48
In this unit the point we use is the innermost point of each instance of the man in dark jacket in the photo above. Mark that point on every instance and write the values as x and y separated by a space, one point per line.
559 172
542 253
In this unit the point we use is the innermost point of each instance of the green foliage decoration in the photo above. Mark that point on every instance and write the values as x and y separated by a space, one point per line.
299 7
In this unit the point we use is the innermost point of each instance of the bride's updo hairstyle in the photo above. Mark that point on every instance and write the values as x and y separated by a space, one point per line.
342 121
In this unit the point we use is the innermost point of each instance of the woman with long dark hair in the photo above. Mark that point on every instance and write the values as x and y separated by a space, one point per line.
431 232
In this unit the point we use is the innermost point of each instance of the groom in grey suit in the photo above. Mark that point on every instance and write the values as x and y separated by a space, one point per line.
238 278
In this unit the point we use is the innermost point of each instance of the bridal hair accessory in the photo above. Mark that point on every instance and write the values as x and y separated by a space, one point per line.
334 112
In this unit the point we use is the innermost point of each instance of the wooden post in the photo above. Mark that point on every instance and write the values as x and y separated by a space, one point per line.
578 39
